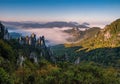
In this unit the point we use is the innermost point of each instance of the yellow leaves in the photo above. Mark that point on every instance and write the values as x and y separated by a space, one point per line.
67 45
49 69
20 71
70 44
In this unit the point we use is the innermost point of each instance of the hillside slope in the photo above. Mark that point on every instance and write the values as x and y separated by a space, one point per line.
107 37
79 34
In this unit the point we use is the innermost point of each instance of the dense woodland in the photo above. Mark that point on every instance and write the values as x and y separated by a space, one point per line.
99 61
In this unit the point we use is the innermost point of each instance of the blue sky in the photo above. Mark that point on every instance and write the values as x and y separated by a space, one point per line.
96 11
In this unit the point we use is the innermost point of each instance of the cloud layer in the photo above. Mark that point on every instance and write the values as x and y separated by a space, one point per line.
53 35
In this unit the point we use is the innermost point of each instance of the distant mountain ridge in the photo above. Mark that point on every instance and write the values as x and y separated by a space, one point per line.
58 24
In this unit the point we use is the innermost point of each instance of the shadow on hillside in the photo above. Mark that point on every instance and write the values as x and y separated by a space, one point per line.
104 56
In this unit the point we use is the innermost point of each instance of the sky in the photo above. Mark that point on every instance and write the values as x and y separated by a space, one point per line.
92 11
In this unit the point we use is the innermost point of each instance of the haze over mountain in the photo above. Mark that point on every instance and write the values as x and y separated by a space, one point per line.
58 24
81 34
47 29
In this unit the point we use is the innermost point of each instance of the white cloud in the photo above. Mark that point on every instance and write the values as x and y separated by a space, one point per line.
54 35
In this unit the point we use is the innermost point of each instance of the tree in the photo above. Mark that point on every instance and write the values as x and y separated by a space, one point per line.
5 78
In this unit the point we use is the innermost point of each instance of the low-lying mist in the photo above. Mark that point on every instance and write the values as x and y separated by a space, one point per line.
53 35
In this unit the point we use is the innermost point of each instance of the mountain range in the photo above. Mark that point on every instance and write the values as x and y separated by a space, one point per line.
58 24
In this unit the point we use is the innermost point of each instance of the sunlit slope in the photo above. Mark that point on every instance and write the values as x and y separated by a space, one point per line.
107 37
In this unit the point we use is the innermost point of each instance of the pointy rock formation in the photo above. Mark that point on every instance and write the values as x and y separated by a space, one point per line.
4 34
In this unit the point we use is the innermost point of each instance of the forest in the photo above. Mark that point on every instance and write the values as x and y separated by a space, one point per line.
98 64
